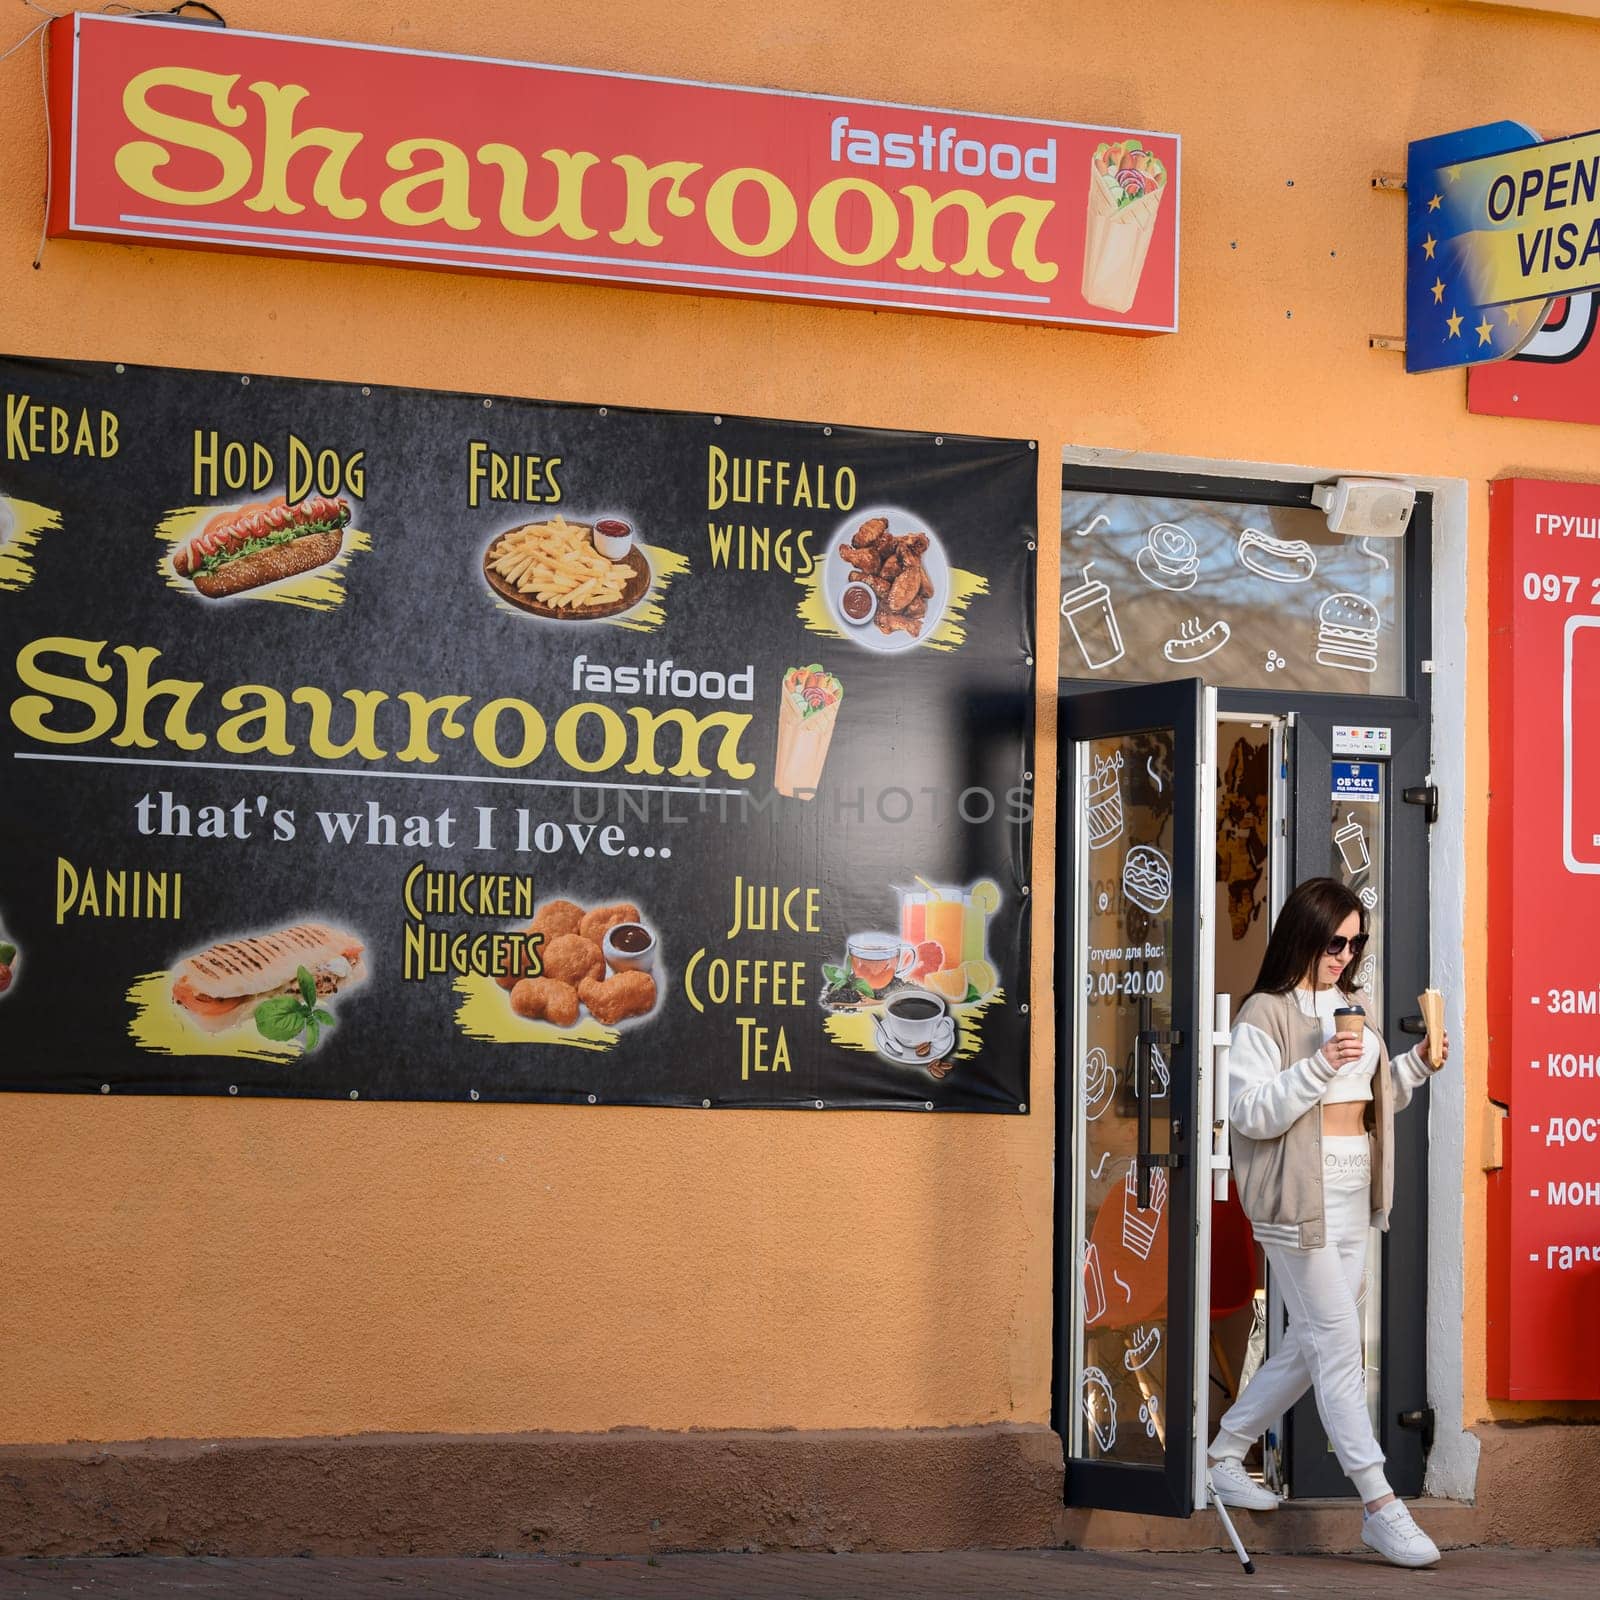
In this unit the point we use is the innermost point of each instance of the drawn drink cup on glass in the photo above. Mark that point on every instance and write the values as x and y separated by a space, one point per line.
1352 842
1092 618
877 959
1126 183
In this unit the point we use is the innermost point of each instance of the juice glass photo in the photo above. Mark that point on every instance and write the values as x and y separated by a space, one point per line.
913 915
974 930
945 922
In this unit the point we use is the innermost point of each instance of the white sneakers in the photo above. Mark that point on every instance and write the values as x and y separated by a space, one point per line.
1233 1486
1397 1538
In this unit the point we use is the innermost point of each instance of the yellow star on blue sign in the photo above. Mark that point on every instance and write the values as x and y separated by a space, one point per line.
1436 202
1429 245
1438 291
1484 331
1454 319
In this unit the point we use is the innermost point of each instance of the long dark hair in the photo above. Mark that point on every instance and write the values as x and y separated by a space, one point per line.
1309 919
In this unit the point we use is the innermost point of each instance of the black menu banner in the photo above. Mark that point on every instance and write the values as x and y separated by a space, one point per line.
378 743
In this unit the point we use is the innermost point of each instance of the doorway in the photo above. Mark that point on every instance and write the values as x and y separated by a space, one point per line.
1295 776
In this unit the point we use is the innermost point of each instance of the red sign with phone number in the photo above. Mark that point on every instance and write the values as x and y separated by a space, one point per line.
1555 377
245 141
1544 975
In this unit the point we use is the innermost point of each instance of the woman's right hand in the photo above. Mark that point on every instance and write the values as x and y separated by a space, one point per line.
1343 1050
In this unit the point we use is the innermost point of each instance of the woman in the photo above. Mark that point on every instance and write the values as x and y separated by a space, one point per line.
1312 1111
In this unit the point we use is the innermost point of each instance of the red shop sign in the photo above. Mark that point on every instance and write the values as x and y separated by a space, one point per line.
1544 978
247 141
1555 377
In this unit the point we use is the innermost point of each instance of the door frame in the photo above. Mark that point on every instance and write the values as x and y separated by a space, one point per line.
1190 709
1404 1380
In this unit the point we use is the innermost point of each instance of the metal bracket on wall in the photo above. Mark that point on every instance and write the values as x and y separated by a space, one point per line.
1422 1422
1426 794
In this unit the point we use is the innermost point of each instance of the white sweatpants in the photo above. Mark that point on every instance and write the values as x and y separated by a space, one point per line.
1321 1348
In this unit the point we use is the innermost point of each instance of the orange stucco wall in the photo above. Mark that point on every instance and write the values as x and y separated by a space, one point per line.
218 1268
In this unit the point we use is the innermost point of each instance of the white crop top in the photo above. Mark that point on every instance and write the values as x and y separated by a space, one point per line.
1352 1082
1254 1062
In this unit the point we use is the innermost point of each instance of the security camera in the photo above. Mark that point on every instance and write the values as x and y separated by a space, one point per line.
1366 508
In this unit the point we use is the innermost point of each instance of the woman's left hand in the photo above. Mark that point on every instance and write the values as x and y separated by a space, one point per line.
1444 1052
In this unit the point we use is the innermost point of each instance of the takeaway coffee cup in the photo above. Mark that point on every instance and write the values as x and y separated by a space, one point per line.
1349 1019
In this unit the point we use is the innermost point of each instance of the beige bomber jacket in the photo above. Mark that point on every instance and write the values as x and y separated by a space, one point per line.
1276 1116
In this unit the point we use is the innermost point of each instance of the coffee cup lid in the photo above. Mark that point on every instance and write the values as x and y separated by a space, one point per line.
1349 1011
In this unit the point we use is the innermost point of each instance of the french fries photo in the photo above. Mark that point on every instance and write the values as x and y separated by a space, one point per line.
556 564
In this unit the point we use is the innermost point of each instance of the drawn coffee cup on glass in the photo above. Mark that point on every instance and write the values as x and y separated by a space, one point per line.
877 959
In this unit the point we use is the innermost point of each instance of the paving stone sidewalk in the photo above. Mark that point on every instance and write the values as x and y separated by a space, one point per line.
956 1575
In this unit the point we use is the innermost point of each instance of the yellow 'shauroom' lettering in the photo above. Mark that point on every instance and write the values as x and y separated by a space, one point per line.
486 733
363 740
642 181
613 727
783 216
452 176
567 212
282 144
270 711
981 218
137 662
822 218
138 161
28 711
693 729
418 746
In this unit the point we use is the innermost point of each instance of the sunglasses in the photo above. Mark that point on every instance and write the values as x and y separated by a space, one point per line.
1336 946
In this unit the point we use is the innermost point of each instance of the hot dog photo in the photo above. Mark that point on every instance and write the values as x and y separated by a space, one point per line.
268 549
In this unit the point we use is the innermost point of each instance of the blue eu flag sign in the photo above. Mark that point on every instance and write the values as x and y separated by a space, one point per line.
1457 314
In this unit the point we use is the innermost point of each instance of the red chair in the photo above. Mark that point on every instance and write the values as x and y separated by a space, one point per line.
1233 1273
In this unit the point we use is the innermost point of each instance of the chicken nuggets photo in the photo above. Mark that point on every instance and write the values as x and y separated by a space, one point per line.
596 960
556 917
603 919
623 995
891 552
570 958
545 999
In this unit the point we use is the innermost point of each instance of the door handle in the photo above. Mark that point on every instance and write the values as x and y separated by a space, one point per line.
1144 1076
1412 1025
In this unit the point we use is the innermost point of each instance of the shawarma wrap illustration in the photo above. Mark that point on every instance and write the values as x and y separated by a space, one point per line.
1126 183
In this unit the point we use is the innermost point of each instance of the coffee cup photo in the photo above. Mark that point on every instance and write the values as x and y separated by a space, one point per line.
914 1017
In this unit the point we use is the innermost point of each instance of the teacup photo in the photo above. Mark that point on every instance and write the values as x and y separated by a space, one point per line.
914 1017
877 959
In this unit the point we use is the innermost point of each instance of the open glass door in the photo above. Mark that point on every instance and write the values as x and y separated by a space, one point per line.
1136 836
